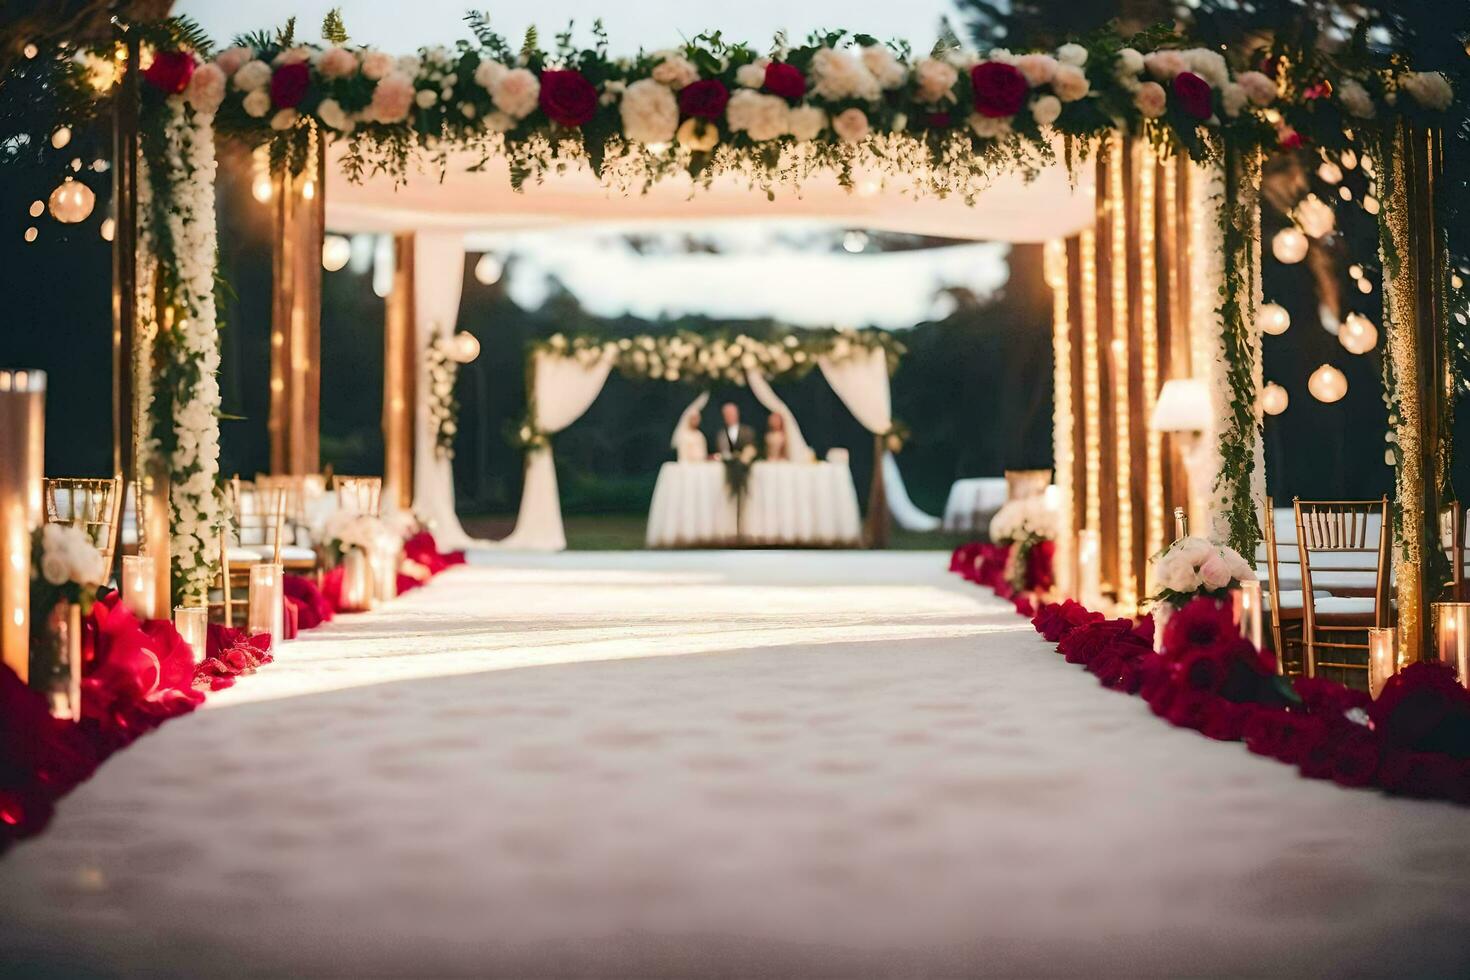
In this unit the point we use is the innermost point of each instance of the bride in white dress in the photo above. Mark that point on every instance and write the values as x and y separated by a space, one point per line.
690 445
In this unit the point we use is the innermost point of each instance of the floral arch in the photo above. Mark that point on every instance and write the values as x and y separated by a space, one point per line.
940 123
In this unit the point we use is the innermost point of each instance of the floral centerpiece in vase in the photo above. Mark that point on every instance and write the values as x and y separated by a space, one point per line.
1027 528
67 569
1192 567
352 540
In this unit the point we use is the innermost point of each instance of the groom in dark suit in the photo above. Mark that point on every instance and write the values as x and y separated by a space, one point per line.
733 437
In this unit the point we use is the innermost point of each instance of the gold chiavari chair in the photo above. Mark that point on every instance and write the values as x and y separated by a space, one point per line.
1286 614
229 595
360 494
1452 532
1343 539
93 505
295 492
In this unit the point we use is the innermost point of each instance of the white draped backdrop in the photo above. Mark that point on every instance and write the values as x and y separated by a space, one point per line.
861 381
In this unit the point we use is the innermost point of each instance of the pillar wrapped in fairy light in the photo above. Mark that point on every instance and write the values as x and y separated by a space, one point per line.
1063 434
22 444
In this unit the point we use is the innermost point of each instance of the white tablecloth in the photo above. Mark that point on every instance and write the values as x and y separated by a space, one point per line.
973 502
785 504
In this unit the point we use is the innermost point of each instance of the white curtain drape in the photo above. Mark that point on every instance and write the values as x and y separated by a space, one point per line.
797 449
438 278
861 381
562 389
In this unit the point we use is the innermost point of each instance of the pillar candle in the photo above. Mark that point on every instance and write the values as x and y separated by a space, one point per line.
22 442
1382 657
1452 636
139 585
1246 607
192 622
268 602
156 537
1089 569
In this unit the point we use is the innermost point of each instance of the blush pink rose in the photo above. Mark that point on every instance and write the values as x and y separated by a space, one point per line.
392 98
231 59
850 125
206 89
337 63
376 65
1150 99
1038 68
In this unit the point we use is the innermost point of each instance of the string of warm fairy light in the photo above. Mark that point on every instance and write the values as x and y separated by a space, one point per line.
1127 585
1148 311
1055 270
1091 385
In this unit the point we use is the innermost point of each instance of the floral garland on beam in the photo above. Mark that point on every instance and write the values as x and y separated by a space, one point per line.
179 380
696 359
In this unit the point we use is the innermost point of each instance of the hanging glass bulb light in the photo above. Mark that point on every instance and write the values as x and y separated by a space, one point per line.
1274 399
108 229
1315 216
1289 245
488 270
72 201
61 137
1329 172
1327 384
336 250
465 348
1274 318
1358 334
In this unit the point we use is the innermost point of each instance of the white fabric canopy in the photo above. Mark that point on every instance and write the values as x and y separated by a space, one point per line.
797 449
861 381
438 278
562 389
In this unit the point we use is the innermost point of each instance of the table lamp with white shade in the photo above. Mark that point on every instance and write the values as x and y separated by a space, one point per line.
1183 409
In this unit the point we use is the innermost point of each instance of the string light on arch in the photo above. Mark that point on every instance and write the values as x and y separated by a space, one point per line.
1274 399
1289 245
1274 319
1327 384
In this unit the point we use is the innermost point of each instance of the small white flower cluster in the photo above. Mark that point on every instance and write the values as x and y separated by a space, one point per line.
342 530
69 556
1193 565
442 371
1023 519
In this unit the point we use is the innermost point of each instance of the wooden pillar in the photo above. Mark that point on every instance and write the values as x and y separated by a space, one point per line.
1112 368
1414 284
296 317
1063 414
400 375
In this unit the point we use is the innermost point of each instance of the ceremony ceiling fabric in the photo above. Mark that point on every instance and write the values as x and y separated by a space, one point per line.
1012 210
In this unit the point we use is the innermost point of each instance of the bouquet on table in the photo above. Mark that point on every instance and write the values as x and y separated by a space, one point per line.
1027 529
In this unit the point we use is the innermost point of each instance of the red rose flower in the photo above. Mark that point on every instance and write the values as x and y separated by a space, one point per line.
1428 774
1203 623
1288 138
784 80
1204 669
1193 95
1224 721
1039 566
1355 758
1423 708
704 99
289 85
567 98
170 71
1000 89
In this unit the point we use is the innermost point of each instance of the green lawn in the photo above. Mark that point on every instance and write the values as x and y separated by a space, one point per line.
624 532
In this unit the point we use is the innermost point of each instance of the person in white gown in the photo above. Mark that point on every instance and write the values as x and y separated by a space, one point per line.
690 445
778 447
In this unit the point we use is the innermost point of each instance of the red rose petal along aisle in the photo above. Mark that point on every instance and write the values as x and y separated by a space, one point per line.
136 676
1414 740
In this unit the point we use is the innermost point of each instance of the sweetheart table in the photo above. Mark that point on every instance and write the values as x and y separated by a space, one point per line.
802 504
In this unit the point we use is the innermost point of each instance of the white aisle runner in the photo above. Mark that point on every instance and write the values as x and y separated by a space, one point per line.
752 764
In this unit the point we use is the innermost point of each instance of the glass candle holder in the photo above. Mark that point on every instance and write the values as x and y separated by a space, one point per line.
192 622
1452 636
1245 604
56 660
357 581
267 602
139 585
385 569
1382 657
22 441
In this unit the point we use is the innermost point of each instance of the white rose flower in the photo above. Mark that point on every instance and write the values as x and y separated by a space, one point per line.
376 64
54 569
284 119
1233 98
1069 83
675 71
516 93
936 80
1428 88
837 75
252 75
761 117
650 112
488 72
257 103
335 116
1046 109
409 65
1259 88
1209 65
850 125
883 66
1003 55
426 98
752 75
1072 54
1130 62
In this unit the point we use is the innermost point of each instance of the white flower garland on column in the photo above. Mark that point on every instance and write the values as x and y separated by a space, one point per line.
177 254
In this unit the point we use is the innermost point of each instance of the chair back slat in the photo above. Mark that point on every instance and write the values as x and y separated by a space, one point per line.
1345 536
90 504
360 494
